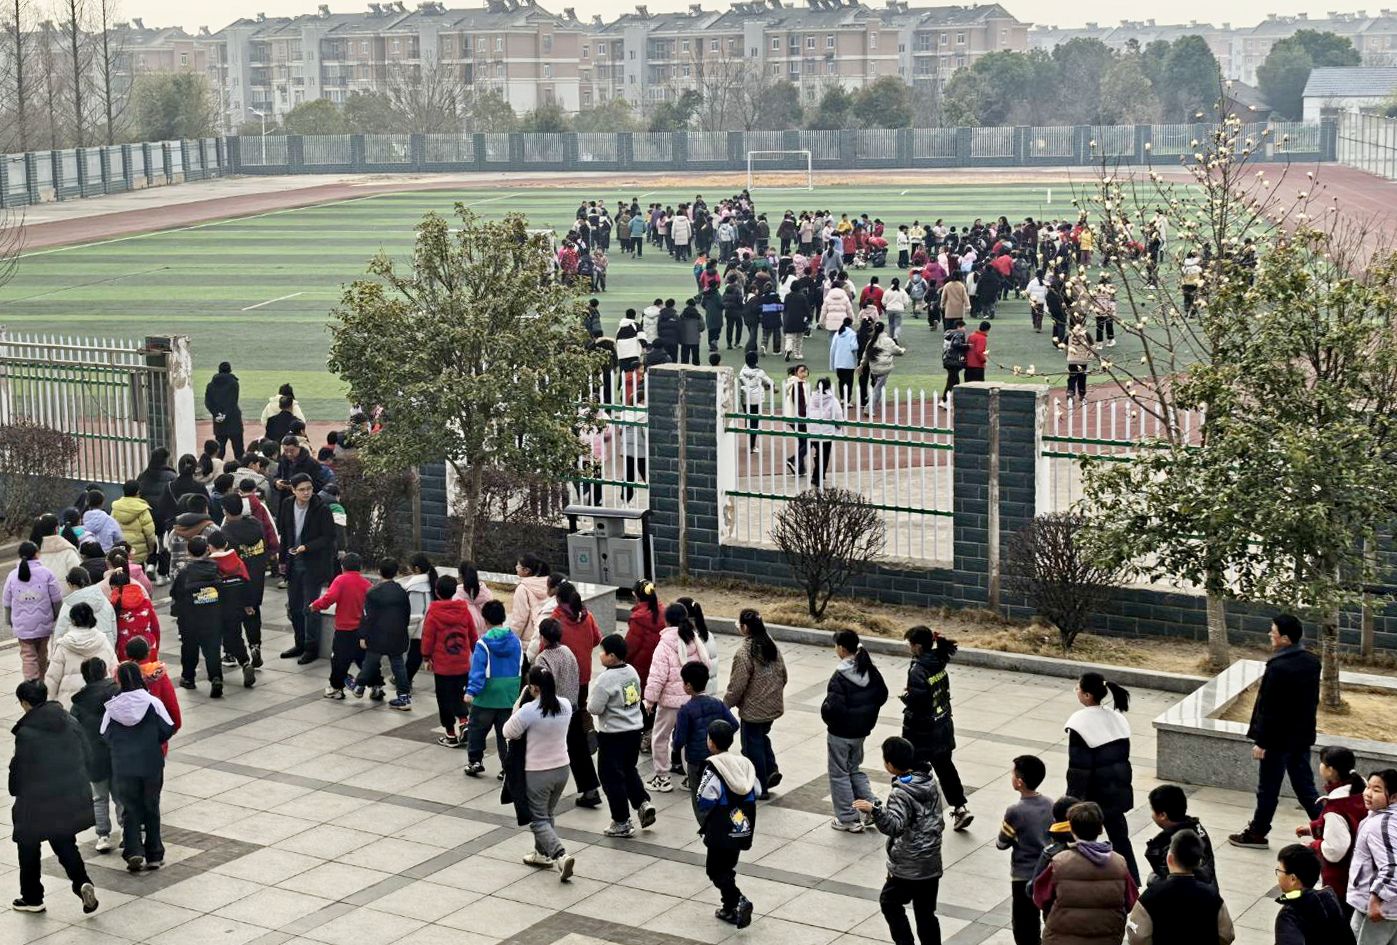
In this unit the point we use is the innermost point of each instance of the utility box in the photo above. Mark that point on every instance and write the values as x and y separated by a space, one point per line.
604 553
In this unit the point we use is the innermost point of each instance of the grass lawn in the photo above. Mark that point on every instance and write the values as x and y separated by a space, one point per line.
256 291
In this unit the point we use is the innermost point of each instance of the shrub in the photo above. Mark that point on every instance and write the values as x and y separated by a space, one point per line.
36 462
1045 562
827 536
517 513
377 506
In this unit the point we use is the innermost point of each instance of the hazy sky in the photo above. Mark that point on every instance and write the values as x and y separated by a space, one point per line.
218 13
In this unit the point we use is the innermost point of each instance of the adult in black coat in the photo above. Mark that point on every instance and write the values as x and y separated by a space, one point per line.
176 489
308 552
294 459
53 798
1282 729
926 714
221 401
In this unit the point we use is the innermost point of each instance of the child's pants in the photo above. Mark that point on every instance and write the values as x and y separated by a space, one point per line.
771 339
721 866
795 344
660 738
545 790
206 640
921 893
618 755
34 657
847 782
372 674
451 706
1025 914
344 652
101 807
481 721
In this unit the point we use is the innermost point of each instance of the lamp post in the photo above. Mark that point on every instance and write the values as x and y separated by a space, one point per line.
263 116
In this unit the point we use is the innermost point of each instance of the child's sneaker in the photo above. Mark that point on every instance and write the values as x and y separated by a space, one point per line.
376 694
474 769
349 681
622 831
744 913
256 657
403 703
19 905
961 818
357 690
451 741
88 894
647 815
534 858
848 826
332 693
565 865
660 783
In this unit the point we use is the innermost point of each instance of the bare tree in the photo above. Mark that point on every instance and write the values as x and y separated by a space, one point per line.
426 98
109 51
73 17
19 78
729 84
827 536
53 82
1047 563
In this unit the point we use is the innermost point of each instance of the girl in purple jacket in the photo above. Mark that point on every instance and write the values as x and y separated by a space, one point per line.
32 599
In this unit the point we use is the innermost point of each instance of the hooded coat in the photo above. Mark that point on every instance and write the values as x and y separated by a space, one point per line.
64 675
726 801
137 726
137 523
643 632
523 614
852 701
911 820
89 705
48 776
32 602
663 685
135 617
95 597
449 632
926 712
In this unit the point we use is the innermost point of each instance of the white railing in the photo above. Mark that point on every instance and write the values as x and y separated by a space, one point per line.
614 471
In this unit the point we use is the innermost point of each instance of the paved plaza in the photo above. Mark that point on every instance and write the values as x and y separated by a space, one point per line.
292 819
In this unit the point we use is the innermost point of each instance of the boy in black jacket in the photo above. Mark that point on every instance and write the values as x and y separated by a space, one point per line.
1169 807
194 602
1308 916
726 805
383 632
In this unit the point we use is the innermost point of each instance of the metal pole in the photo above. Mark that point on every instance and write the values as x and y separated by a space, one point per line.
992 541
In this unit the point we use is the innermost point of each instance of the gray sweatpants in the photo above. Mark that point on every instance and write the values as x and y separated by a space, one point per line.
101 812
847 782
545 790
1368 932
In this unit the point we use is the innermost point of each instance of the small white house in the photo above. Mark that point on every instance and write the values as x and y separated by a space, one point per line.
1347 89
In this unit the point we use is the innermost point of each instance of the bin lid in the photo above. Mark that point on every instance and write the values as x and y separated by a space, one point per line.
598 511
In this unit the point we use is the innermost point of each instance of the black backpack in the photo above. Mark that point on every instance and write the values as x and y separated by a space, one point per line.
953 349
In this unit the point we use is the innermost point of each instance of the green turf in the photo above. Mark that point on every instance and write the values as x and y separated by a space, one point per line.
198 281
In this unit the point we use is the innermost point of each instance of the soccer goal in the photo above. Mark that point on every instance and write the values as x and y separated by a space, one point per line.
779 170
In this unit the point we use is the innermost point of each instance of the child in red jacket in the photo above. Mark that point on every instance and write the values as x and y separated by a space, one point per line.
346 594
135 617
448 638
157 681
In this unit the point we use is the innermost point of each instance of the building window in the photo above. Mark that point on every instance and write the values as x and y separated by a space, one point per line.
586 52
872 40
684 45
809 42
632 56
184 59
775 44
397 46
960 39
795 69
713 45
547 42
960 62
548 70
943 39
829 40
480 44
499 44
687 73
732 44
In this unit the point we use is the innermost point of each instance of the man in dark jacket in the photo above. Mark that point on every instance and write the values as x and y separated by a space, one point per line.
307 530
53 798
1308 916
221 401
383 632
926 715
296 459
195 604
1282 729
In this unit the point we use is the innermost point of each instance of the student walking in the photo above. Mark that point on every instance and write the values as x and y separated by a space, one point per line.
136 727
581 636
32 599
664 690
384 633
1181 909
926 715
346 594
89 705
247 538
194 602
850 711
726 807
1098 759
1024 833
449 636
911 820
1371 891
1169 808
544 720
615 700
84 641
492 688
756 690
1341 811
53 800
1086 889
1308 916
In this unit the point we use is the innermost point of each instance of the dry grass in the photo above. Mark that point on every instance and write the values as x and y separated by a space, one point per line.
1367 713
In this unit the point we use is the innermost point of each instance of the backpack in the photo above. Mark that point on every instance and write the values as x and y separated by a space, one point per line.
953 349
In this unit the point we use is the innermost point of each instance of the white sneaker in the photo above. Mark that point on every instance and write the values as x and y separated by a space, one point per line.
104 844
855 826
565 865
332 693
534 858
660 783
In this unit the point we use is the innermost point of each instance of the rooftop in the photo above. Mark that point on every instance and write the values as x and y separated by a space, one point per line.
1351 82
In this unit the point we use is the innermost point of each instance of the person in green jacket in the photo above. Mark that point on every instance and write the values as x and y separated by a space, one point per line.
493 687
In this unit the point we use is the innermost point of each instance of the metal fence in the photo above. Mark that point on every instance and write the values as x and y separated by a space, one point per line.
615 469
40 176
113 395
1369 143
898 457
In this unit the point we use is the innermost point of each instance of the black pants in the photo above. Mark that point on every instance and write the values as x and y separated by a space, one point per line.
639 246
232 435
733 319
721 866
618 758
689 354
1118 832
902 259
140 816
233 643
951 788
952 379
481 721
753 411
845 387
31 885
206 639
756 747
635 466
451 706
1026 917
921 893
414 658
1107 325
301 589
252 622
797 462
584 773
344 652
823 450
1077 380
1274 768
974 374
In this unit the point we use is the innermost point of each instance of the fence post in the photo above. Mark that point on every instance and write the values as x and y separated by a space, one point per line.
295 154
170 406
127 174
1023 137
5 184
903 137
357 156
81 154
1144 137
417 154
963 146
31 173
679 150
570 149
737 152
56 162
686 426
625 150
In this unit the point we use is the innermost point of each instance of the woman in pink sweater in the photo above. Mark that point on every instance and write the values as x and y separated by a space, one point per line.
664 690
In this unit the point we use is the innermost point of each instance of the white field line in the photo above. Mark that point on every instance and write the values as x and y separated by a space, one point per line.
270 301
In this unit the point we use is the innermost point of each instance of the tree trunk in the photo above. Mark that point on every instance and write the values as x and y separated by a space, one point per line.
472 479
21 92
1219 653
1329 693
1368 637
74 44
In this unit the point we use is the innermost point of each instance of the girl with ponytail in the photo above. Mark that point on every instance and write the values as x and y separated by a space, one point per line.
756 690
543 723
664 690
32 598
855 694
580 635
1098 758
708 640
1341 810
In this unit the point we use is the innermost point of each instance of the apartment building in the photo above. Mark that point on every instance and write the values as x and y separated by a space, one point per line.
269 65
1240 50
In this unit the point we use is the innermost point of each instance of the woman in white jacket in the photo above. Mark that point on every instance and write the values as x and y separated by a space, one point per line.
896 301
825 406
82 641
836 307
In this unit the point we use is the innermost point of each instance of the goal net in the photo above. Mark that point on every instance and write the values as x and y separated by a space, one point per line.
779 170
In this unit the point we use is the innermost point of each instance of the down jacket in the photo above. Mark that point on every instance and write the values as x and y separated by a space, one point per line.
64 675
1098 759
664 687
852 701
48 776
911 820
835 309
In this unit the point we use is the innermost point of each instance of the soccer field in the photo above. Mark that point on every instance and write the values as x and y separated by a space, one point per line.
257 290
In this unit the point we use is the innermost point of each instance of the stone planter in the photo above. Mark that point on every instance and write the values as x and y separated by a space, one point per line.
1195 746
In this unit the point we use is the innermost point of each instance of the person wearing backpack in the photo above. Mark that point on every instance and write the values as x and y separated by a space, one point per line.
955 348
195 604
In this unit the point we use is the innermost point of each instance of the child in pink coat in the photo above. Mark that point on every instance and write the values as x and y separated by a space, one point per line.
664 689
